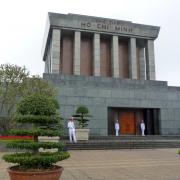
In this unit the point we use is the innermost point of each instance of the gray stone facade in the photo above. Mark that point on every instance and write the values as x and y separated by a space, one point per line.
99 93
106 97
118 29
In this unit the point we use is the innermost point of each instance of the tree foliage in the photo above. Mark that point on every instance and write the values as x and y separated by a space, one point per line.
82 116
15 83
38 106
11 87
37 85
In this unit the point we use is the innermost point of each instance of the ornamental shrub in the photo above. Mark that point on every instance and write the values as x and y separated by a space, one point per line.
82 116
41 112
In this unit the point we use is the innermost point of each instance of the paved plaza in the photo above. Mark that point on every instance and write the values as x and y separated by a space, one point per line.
148 164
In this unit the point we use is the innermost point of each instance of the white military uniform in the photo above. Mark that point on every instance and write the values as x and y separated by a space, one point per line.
142 128
117 128
71 127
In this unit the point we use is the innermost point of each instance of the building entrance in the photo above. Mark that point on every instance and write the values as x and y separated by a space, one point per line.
127 123
129 120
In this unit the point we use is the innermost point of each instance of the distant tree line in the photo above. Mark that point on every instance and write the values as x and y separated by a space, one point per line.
16 83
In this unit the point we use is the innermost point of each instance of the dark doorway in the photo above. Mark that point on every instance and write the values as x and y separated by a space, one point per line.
151 121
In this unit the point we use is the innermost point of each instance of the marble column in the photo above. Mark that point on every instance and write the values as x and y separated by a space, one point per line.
55 51
132 59
96 55
46 64
115 57
48 61
142 63
77 53
150 62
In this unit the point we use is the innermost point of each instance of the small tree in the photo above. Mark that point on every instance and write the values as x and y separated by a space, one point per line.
38 85
82 116
39 111
16 83
11 85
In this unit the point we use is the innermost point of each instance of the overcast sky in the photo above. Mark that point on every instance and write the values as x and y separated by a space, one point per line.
22 24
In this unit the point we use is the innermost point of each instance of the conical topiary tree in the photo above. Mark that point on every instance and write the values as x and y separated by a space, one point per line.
39 113
82 116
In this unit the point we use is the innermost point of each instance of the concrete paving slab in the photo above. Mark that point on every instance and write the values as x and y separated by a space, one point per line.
141 164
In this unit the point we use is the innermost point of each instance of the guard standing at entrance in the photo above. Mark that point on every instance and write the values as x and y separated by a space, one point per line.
142 125
71 127
117 127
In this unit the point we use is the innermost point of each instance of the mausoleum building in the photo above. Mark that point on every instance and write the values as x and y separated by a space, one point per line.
108 65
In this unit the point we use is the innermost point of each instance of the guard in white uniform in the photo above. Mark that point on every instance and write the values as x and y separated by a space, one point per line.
142 127
71 127
116 126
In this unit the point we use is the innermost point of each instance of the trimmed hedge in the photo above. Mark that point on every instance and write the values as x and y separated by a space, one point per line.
37 105
36 119
35 145
15 137
36 161
36 132
82 116
15 140
40 112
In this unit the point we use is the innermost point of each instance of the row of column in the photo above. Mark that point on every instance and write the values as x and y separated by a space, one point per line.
146 56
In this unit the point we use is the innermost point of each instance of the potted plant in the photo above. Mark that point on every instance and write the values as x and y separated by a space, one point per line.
82 117
38 114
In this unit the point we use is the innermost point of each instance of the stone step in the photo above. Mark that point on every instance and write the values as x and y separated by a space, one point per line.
120 142
126 142
122 146
136 137
130 137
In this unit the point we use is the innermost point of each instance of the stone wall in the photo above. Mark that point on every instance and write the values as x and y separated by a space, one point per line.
99 93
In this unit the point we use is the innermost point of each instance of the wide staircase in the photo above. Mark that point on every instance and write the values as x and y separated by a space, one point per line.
125 142
120 142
